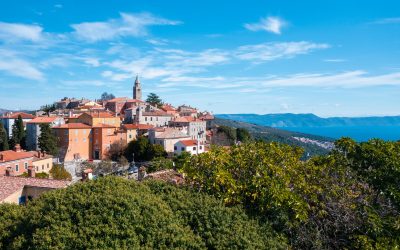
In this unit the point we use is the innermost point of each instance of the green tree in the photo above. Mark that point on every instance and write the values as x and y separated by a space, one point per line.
106 96
48 108
154 100
181 159
159 163
58 172
47 140
243 135
18 133
3 138
143 150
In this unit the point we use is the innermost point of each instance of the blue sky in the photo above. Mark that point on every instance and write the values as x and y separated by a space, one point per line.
331 58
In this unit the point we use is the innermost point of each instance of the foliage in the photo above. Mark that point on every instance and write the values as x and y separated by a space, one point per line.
229 132
106 96
42 175
243 135
159 163
3 138
48 108
180 159
103 167
112 213
47 140
154 100
58 172
319 204
143 150
116 151
18 133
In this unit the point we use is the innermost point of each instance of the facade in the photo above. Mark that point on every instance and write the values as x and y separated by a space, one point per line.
74 141
209 119
98 117
133 131
42 163
120 104
167 137
15 162
196 128
33 130
103 137
20 190
145 115
9 118
192 146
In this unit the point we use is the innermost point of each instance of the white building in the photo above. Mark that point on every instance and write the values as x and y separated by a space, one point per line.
196 128
33 129
147 115
192 146
8 120
167 137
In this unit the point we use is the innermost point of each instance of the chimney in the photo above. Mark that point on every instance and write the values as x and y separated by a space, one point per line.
38 154
17 148
9 172
31 172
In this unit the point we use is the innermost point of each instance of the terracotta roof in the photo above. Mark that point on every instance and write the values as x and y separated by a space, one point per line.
137 126
73 126
168 108
189 143
16 114
185 119
99 114
124 99
11 155
156 113
43 119
207 117
11 184
101 125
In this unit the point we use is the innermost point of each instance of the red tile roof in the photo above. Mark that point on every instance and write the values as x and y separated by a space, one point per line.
124 99
99 114
101 125
43 119
207 117
137 126
189 143
16 114
11 184
11 155
73 126
168 108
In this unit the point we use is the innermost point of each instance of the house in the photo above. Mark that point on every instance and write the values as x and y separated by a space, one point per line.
167 137
20 190
98 117
74 141
196 128
185 110
9 118
33 129
104 135
120 104
148 115
133 131
41 162
208 118
15 162
192 146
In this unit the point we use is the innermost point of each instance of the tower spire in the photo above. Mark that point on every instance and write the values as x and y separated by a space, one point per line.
137 89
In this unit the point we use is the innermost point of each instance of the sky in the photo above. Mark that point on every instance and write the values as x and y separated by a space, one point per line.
330 58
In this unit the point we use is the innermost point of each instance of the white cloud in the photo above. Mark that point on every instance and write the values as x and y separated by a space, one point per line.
271 24
274 51
17 31
127 25
335 60
21 68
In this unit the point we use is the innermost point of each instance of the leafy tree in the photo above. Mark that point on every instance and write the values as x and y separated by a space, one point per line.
58 172
116 151
181 159
115 213
106 96
229 132
42 175
18 133
243 135
3 138
47 140
159 163
154 100
103 168
48 108
143 150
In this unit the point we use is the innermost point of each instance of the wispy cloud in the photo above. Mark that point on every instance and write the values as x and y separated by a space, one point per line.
16 31
335 60
20 67
270 24
127 25
390 20
274 51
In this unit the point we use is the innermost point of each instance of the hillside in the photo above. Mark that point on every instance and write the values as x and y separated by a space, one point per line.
311 120
312 144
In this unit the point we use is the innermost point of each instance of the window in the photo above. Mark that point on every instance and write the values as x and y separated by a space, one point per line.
182 149
151 118
66 132
130 136
76 132
200 147
26 165
194 148
16 168
43 167
84 132
48 165
76 139
175 147
37 168
145 119
84 139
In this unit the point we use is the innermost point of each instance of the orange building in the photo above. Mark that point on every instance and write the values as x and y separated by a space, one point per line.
74 141
15 162
98 117
104 136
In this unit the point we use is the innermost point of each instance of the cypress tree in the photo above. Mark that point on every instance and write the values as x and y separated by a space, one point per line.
47 140
3 138
18 133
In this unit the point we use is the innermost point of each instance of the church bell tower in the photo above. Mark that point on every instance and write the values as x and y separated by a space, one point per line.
137 89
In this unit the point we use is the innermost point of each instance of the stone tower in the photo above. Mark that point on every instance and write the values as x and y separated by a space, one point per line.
137 89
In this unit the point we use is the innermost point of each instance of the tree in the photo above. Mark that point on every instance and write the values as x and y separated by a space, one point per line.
159 163
18 133
154 100
48 108
58 172
113 213
3 138
106 96
243 135
143 150
116 151
181 159
47 140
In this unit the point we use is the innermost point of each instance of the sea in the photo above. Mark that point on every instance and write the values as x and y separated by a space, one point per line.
358 133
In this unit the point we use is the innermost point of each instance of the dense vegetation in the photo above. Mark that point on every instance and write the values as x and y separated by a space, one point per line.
348 199
112 213
3 138
47 140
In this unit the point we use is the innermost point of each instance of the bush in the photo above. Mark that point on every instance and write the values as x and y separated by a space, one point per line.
116 213
58 172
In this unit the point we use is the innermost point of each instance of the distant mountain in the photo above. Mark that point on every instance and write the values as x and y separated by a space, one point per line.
2 111
358 128
311 120
312 144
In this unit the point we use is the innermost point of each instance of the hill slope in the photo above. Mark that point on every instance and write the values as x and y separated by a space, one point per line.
312 144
